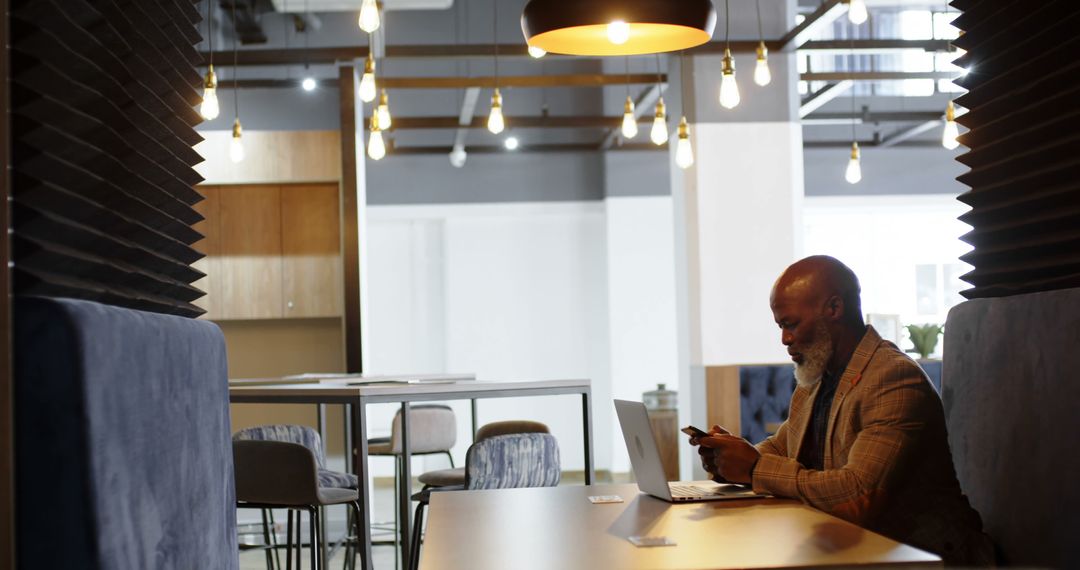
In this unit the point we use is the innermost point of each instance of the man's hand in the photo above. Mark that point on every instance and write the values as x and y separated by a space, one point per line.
726 457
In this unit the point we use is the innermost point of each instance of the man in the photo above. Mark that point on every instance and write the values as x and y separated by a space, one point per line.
865 439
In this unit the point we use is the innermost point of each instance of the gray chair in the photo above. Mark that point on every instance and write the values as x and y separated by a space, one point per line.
278 474
500 458
309 438
432 430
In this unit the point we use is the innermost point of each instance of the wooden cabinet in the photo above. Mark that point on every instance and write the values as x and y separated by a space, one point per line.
273 251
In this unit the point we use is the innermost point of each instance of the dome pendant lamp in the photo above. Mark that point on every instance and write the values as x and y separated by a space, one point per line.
617 27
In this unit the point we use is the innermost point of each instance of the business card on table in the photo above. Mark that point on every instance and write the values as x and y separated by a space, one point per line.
604 499
644 541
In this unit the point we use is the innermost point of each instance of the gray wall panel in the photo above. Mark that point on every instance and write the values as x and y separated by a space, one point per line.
502 177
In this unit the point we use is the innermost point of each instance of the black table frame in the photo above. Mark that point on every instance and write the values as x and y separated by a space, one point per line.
355 402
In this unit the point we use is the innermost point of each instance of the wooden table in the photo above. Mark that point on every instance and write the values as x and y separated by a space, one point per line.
558 527
355 398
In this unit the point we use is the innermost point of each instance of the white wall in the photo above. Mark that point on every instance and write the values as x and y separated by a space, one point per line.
641 309
527 291
508 291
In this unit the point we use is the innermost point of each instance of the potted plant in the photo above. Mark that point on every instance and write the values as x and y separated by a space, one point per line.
924 338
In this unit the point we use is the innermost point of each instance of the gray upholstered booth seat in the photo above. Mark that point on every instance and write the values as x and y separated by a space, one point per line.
123 454
1010 395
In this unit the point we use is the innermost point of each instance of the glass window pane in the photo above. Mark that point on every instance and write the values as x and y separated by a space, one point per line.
953 284
926 289
916 25
943 28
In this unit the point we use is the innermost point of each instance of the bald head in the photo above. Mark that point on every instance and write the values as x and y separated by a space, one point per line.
821 282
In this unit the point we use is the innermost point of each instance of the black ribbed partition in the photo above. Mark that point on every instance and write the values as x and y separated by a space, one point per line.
1024 137
103 97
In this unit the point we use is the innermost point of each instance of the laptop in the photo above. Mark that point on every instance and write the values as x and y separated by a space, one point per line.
649 471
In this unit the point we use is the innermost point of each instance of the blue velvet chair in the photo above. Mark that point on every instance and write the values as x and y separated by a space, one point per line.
123 456
498 460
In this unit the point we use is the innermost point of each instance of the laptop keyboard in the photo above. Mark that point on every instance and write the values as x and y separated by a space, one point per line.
691 491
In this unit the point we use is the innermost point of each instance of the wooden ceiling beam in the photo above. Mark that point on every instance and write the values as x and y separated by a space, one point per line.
521 81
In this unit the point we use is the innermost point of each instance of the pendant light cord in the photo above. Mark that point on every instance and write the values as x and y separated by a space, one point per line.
236 48
307 22
658 78
627 76
210 26
851 43
727 24
682 81
495 37
760 34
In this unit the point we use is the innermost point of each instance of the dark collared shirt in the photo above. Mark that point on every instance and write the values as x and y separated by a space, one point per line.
812 454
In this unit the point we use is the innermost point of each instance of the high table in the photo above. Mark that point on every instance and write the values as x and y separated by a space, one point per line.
355 398
557 527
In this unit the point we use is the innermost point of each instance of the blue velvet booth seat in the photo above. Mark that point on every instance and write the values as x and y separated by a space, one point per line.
123 450
765 395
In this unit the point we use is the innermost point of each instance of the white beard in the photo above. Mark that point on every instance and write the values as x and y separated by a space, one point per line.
815 358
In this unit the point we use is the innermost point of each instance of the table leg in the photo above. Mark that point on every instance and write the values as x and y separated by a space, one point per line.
475 428
586 426
360 467
405 492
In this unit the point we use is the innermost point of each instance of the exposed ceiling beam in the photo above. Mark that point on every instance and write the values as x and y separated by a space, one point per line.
328 55
642 106
825 119
844 47
499 149
602 122
876 75
846 144
824 16
518 122
822 96
576 80
910 132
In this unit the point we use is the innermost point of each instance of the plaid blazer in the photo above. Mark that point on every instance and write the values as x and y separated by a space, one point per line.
887 462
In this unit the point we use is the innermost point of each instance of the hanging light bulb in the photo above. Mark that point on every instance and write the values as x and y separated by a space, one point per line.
496 123
629 121
376 148
384 112
308 84
762 76
729 89
369 16
367 82
537 52
853 174
210 108
948 136
618 32
684 151
236 146
511 143
659 134
857 12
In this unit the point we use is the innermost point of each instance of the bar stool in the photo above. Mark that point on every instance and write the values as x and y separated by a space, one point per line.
279 474
309 438
432 430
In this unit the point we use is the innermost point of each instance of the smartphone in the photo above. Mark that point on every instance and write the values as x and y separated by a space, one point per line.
695 432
